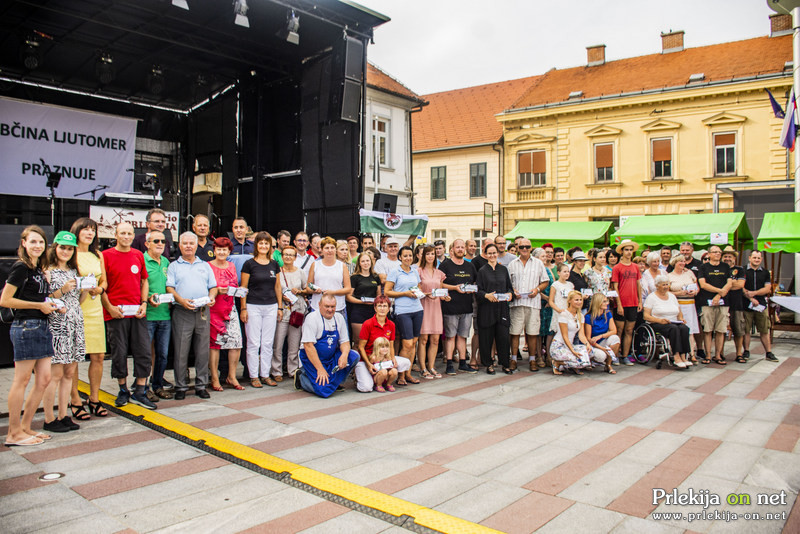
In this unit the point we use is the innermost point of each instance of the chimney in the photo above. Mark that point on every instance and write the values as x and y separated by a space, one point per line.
780 25
671 42
595 55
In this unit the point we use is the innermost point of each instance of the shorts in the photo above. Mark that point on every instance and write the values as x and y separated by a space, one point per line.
409 324
737 323
457 325
32 339
629 315
524 319
761 319
715 319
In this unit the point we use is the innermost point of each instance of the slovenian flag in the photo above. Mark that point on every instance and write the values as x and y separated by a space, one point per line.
392 223
789 130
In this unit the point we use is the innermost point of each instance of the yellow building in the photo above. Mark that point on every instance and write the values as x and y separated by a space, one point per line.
457 157
652 134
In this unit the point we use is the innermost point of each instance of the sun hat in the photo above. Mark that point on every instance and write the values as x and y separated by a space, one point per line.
627 243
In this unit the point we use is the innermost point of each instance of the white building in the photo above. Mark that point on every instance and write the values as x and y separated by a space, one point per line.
390 105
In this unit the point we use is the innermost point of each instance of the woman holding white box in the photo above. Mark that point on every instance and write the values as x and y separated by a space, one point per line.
224 319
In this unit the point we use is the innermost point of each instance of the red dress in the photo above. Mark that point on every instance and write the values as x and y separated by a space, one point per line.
223 303
431 307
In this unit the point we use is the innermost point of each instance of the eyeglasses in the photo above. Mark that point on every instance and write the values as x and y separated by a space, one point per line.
158 241
523 247
301 240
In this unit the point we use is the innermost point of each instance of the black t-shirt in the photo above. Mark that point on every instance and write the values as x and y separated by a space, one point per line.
579 282
460 303
735 298
365 286
261 285
206 252
754 280
32 286
478 262
715 275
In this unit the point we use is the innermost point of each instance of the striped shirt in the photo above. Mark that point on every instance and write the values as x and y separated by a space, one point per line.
525 277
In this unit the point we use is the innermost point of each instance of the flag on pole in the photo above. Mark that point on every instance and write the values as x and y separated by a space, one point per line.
392 223
789 130
776 108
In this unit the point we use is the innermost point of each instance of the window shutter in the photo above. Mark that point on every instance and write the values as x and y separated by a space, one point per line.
662 150
725 139
538 162
603 156
525 162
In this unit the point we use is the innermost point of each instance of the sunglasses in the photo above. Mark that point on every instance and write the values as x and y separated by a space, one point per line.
524 247
158 241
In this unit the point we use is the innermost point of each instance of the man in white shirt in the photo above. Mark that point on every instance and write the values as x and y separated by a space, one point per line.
389 263
528 278
304 259
666 256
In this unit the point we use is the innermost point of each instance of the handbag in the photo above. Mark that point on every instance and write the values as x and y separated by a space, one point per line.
296 318
7 314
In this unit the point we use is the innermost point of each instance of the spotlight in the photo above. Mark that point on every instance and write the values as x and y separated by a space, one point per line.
290 32
31 54
155 80
240 11
104 68
183 4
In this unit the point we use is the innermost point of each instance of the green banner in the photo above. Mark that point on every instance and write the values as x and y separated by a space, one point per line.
392 223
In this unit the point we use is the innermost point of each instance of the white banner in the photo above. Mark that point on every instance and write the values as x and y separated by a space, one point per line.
108 217
88 149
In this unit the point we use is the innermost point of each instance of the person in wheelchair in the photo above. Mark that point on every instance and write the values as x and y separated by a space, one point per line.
663 313
601 332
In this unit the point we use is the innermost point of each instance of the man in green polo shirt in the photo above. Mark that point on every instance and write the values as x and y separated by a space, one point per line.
158 315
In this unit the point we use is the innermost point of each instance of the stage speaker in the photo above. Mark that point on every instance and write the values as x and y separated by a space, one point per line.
347 58
384 202
345 101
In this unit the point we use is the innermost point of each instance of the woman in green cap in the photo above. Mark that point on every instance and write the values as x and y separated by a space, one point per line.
69 345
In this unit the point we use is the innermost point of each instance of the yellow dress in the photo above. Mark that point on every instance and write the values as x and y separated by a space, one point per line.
93 324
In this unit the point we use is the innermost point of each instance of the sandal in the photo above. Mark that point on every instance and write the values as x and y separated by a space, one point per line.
401 383
412 380
490 370
390 388
741 359
217 387
426 375
705 361
95 408
236 385
380 389
256 383
79 412
720 361
436 375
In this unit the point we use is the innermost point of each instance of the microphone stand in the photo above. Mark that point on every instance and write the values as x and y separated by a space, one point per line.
92 191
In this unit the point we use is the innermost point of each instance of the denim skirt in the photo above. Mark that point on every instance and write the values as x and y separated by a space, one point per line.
32 339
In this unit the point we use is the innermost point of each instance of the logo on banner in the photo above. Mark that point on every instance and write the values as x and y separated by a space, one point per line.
392 220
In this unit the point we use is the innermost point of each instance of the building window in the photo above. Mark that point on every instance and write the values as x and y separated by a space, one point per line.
724 154
438 183
440 234
477 180
380 135
604 162
661 149
531 167
480 238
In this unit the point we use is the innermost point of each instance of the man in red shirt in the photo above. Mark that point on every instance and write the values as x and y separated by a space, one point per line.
625 280
125 308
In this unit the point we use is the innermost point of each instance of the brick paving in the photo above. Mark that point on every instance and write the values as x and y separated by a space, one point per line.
522 453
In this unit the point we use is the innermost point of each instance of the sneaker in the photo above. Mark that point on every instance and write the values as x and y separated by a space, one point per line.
122 398
151 396
140 398
771 357
451 369
466 368
297 379
627 361
55 426
70 424
166 385
746 355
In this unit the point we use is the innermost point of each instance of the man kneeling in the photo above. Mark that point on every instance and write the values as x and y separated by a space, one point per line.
326 359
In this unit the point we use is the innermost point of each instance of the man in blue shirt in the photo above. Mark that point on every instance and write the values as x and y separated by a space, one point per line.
194 286
241 245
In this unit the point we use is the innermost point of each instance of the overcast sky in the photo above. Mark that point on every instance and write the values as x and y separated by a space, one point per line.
437 45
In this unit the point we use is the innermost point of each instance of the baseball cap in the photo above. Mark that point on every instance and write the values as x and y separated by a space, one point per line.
392 241
66 238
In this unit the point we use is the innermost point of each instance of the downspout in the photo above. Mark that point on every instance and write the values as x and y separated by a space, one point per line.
555 177
413 199
499 186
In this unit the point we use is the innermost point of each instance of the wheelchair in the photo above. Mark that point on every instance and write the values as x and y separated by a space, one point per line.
649 344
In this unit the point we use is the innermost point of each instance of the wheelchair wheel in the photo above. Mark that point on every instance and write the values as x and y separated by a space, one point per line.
644 344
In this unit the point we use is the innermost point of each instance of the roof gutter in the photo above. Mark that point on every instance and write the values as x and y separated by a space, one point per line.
733 81
457 147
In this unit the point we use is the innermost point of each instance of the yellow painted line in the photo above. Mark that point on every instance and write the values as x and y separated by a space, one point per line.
353 492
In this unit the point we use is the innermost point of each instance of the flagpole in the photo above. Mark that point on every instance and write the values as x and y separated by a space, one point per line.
796 86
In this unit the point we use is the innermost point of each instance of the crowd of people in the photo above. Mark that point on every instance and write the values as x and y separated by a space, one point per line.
289 307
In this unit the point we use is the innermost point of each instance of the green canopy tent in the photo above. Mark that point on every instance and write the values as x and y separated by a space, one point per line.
565 234
698 228
780 232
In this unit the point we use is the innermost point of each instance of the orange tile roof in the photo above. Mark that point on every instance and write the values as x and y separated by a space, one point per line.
378 79
720 62
465 116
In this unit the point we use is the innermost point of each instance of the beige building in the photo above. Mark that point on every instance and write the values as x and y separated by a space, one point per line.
655 134
458 156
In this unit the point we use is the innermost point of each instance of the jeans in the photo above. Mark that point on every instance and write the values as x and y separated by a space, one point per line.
260 329
160 335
